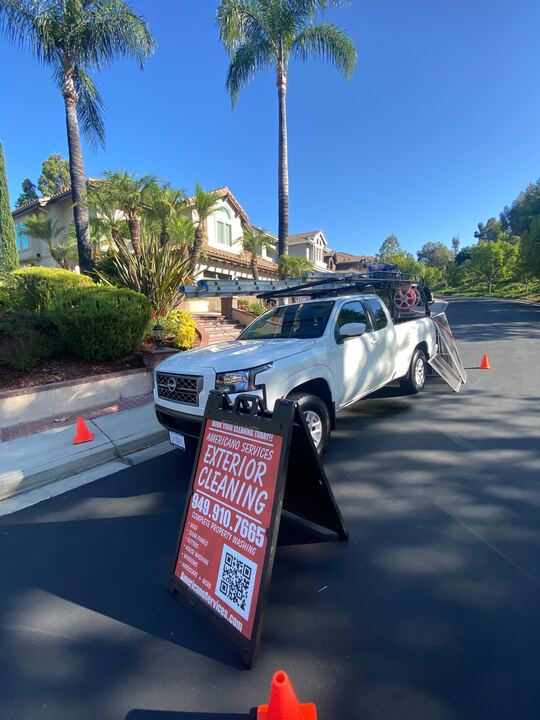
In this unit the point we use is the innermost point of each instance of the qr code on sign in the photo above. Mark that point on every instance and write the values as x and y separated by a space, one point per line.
235 581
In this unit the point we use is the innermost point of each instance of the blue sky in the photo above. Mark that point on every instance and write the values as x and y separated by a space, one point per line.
437 131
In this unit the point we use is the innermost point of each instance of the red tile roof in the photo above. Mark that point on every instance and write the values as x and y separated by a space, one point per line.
243 259
225 193
46 199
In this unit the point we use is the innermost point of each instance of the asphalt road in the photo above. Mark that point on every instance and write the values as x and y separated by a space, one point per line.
430 611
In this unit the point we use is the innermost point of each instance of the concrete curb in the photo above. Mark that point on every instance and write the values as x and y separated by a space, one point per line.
32 462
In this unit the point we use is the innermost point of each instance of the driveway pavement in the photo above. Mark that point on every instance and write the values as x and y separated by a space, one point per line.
430 611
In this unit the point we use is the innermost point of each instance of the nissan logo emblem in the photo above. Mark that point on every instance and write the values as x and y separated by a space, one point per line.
171 384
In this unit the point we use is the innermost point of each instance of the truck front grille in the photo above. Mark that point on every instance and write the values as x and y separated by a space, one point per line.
179 388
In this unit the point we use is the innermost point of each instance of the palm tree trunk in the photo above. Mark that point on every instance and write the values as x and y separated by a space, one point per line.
134 225
115 234
283 165
76 172
254 268
196 249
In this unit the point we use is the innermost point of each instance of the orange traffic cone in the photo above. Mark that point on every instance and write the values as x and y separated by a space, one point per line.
82 433
484 365
283 704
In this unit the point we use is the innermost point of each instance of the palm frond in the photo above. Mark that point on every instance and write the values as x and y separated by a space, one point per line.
237 21
41 227
255 239
110 29
204 203
89 108
24 23
129 192
328 42
255 54
182 232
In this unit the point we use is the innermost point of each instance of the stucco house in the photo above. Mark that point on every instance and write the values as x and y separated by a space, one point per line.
223 255
343 262
311 245
59 208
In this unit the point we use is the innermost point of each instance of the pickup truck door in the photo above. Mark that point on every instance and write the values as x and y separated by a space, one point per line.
366 362
383 337
354 355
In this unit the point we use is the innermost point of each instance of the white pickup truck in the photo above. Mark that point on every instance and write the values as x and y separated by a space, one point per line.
326 354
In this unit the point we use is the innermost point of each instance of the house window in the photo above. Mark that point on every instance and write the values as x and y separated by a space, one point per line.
224 227
22 238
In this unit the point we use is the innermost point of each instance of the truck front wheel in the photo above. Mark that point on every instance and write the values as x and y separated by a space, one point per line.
317 417
415 379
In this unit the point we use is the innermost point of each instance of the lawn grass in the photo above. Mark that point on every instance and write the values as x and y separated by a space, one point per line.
507 289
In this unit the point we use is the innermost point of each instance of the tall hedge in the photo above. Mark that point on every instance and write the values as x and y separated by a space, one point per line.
9 258
101 323
36 287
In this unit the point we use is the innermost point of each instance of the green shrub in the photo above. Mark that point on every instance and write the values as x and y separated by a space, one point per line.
101 323
7 292
36 287
178 329
25 340
253 306
185 328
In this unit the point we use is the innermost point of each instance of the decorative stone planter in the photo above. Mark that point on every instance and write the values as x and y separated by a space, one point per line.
153 356
243 316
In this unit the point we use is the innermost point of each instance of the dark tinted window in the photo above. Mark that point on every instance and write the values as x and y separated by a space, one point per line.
352 312
307 320
377 312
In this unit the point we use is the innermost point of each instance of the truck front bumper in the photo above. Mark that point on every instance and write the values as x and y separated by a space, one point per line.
179 422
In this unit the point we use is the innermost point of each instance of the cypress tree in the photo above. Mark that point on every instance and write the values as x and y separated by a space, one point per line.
9 258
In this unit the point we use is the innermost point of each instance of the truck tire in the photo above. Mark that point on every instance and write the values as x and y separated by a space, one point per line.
317 418
415 379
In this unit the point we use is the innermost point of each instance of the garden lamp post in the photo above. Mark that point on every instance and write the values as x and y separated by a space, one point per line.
158 330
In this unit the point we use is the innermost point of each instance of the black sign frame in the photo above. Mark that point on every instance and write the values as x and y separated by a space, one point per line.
287 421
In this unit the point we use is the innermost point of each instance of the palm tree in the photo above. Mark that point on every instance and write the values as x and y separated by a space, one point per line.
164 206
42 227
253 242
204 204
266 33
131 195
73 38
294 266
107 224
181 232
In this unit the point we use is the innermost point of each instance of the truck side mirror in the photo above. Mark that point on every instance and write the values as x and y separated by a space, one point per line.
352 330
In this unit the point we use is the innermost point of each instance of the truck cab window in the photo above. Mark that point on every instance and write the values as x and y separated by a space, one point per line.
376 310
352 312
303 321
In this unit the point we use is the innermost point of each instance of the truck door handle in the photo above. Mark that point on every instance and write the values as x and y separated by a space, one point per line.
374 341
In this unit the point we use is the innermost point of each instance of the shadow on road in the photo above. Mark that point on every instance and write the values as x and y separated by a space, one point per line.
429 611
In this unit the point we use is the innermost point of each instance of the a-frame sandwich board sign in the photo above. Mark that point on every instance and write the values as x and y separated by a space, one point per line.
249 464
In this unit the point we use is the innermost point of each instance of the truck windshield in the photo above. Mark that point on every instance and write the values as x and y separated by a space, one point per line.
303 321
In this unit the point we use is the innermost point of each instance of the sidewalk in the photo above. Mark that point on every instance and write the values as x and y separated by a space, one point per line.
46 457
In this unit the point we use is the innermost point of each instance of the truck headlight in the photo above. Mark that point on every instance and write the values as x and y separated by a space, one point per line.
238 381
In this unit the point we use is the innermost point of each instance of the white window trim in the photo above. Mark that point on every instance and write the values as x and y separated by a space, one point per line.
219 218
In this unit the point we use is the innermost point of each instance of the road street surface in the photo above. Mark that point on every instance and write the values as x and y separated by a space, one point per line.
430 611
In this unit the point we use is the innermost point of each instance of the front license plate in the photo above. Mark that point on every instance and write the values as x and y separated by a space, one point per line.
177 439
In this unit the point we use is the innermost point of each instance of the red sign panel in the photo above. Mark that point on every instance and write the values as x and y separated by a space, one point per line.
224 539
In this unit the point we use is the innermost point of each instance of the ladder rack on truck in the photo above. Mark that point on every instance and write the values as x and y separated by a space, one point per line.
404 294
